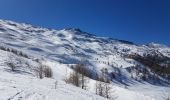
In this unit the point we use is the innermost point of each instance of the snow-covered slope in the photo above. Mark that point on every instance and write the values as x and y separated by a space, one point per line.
23 85
71 46
73 42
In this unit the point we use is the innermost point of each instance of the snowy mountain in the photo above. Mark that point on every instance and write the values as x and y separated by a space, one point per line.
140 71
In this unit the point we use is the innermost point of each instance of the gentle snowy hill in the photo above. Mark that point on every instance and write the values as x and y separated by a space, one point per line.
61 49
22 85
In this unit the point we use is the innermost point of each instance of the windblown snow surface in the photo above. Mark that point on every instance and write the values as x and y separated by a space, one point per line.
61 48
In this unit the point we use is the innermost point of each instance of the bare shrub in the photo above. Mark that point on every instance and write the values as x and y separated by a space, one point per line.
11 63
168 98
84 73
43 71
74 79
3 48
100 86
79 76
103 88
48 71
39 71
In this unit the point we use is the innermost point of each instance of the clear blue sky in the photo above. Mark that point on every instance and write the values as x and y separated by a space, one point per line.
139 21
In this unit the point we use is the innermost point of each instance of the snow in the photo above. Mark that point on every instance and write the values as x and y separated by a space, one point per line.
70 47
17 86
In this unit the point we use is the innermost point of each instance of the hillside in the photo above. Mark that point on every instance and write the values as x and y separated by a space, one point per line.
140 71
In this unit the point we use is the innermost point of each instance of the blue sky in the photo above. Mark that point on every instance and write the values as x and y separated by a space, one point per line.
139 21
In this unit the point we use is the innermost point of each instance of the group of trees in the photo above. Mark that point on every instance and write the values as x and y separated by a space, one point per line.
18 63
138 72
43 71
104 62
80 78
154 63
14 51
103 87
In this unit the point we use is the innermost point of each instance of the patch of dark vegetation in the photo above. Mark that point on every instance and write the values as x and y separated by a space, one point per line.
154 63
43 71
14 51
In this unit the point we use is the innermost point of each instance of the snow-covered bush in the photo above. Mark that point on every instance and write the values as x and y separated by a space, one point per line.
13 64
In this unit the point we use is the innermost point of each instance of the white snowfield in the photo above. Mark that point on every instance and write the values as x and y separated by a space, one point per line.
60 48
24 86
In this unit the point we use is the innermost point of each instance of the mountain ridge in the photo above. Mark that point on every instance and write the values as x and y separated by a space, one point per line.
131 68
77 30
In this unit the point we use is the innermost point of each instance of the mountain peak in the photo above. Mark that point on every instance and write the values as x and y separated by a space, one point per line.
73 29
155 45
